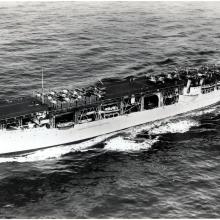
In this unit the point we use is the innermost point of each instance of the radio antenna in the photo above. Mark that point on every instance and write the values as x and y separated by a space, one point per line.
42 84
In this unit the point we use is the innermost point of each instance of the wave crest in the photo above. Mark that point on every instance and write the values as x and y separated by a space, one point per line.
127 145
175 127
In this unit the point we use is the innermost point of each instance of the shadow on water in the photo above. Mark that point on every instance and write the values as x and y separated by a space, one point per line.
79 170
174 172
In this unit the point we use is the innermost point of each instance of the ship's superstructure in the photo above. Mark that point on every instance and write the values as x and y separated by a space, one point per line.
72 115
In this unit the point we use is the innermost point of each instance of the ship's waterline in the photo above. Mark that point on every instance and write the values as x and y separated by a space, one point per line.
36 138
163 169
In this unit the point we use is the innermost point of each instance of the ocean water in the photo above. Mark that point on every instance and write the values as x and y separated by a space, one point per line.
166 169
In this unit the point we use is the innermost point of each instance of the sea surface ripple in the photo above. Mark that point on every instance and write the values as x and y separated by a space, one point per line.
167 169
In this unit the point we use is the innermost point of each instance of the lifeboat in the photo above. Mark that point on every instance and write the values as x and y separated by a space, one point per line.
65 125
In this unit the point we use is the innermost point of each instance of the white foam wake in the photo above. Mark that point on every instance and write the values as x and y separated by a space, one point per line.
54 152
180 126
160 127
127 145
145 127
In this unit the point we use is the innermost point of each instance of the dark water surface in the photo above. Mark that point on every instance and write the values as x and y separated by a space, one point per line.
164 169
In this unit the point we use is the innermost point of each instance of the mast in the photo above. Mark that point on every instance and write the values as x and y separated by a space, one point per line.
42 85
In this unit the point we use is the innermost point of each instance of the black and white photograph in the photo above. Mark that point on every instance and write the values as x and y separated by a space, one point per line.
109 109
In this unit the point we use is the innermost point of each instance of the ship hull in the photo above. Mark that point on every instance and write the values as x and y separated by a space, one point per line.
37 138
